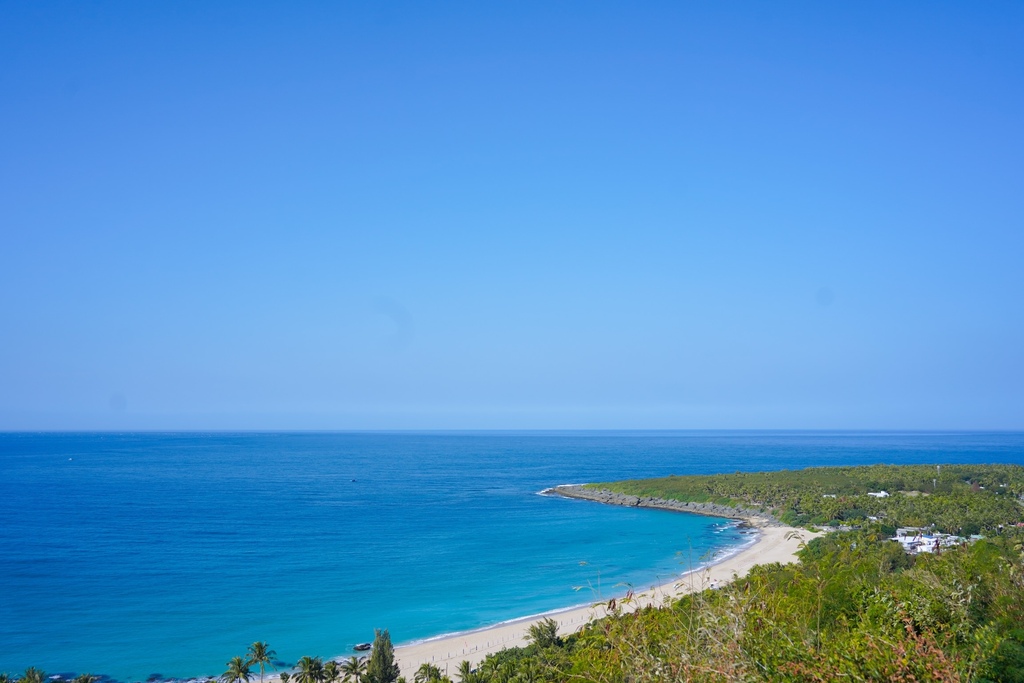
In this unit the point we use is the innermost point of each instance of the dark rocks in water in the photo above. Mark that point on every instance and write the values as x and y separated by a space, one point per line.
362 647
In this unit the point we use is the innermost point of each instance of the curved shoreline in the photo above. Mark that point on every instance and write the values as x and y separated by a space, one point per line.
723 555
774 542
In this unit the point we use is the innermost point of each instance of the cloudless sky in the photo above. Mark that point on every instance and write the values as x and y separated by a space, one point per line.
511 215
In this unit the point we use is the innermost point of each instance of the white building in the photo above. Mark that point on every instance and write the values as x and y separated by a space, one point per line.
916 540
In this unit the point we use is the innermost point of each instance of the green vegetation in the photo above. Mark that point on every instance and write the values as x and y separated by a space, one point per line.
261 655
309 670
382 667
855 608
544 633
238 671
428 673
353 669
958 499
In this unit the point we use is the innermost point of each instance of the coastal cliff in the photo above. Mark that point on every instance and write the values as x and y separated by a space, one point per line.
580 491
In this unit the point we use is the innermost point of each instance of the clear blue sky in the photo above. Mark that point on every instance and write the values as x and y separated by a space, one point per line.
511 215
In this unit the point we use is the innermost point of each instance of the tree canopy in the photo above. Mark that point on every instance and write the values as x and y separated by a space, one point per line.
381 668
964 499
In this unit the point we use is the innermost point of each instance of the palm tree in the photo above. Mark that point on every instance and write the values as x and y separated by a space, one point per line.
544 633
261 654
310 670
529 672
238 671
465 672
332 674
427 673
85 678
489 668
284 677
33 675
354 668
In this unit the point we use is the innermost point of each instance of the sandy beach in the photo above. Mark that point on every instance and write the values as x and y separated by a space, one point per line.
774 544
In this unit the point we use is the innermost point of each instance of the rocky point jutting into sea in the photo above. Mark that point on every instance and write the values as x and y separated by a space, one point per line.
582 492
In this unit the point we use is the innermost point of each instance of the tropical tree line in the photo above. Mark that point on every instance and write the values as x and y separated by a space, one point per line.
307 669
34 675
316 670
379 668
957 499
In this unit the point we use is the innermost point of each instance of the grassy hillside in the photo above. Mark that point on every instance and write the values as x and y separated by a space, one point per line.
855 608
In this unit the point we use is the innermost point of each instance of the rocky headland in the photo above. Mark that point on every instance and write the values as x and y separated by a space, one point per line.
752 516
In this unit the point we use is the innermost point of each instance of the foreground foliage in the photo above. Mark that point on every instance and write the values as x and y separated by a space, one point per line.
855 608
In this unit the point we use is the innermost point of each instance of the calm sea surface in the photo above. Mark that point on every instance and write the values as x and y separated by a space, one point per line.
139 554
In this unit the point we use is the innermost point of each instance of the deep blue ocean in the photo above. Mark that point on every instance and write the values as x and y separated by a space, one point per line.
139 554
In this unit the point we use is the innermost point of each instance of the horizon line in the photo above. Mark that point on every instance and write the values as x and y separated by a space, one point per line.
524 430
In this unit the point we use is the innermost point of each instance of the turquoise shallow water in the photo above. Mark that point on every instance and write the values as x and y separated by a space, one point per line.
140 554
